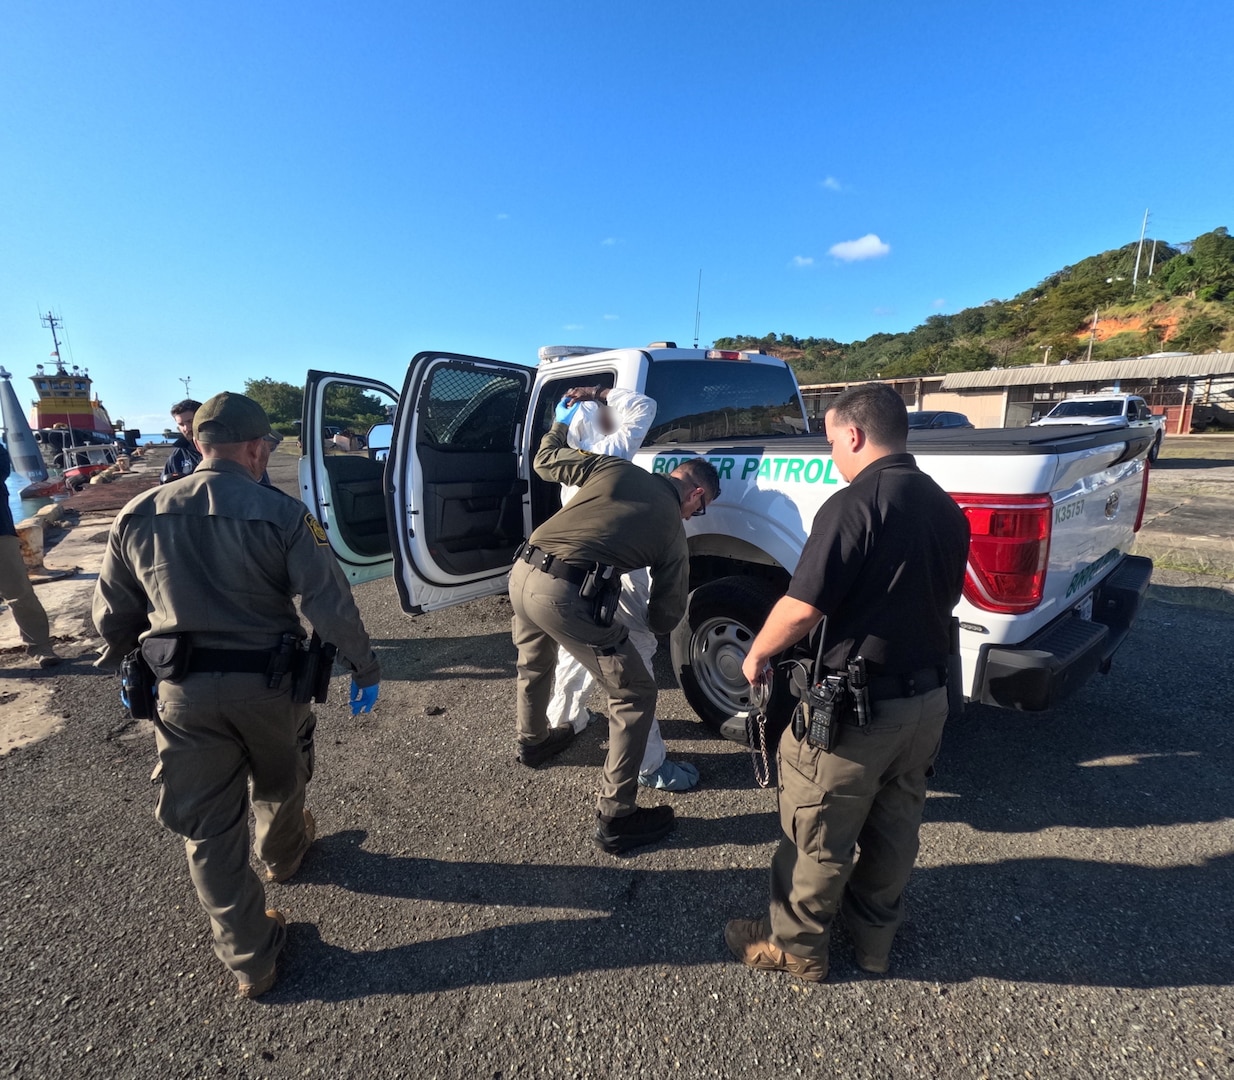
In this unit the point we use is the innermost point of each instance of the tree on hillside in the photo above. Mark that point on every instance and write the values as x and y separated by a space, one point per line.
1205 272
282 401
1054 314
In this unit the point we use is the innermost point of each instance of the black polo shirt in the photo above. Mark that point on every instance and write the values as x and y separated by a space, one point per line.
885 563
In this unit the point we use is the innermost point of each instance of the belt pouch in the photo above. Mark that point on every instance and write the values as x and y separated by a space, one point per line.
325 668
168 656
304 674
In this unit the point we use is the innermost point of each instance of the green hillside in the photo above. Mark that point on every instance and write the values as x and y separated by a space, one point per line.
1187 305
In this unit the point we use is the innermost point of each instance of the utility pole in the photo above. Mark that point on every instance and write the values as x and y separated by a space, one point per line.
186 380
1136 274
697 313
1092 335
1152 258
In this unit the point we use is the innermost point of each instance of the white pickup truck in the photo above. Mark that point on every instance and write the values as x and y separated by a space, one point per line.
1107 410
445 494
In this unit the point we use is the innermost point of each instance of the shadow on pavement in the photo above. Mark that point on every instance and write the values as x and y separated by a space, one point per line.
1044 920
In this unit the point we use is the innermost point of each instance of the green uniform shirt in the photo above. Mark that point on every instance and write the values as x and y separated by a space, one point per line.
220 557
621 515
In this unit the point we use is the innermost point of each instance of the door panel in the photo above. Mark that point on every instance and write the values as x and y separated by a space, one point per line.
456 479
341 471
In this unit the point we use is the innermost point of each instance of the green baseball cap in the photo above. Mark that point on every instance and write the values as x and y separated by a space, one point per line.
232 418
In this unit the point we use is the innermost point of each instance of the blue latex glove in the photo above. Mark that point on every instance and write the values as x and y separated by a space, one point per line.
363 698
565 410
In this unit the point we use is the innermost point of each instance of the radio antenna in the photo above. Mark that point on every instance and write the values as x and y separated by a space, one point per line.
697 298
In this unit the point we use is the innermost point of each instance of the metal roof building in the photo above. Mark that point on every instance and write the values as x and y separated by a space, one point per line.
1194 391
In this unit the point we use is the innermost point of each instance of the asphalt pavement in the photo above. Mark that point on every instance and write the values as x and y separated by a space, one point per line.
1070 915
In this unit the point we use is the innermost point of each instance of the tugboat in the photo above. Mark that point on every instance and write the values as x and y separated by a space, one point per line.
64 399
70 426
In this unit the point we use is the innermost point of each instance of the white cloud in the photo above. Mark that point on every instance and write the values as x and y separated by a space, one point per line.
802 260
831 184
939 304
868 247
609 241
611 318
883 312
503 217
573 326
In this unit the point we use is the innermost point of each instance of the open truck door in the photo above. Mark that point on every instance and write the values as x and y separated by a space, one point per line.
345 434
455 485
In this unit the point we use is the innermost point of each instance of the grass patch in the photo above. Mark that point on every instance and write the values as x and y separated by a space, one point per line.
1191 562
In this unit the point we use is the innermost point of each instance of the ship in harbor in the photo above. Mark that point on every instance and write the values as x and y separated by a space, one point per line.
64 396
68 427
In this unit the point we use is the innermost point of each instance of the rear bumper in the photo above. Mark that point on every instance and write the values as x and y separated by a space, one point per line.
1055 662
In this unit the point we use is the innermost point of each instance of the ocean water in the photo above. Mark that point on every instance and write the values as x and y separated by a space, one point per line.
22 508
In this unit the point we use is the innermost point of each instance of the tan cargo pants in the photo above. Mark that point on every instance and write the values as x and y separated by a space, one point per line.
548 613
867 794
18 593
224 739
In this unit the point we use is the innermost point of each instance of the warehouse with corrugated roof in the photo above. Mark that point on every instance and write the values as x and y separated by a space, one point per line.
1195 392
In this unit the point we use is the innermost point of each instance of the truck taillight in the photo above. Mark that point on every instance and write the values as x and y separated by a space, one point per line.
1009 550
727 354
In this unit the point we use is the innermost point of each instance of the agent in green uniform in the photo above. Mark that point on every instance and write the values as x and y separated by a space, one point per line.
622 518
203 573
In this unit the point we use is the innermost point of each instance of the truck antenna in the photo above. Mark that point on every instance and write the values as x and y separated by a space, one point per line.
697 298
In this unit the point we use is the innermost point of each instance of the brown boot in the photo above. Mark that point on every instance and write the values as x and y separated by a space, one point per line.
310 834
251 988
749 940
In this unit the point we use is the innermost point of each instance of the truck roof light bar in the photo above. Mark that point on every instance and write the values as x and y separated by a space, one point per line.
549 353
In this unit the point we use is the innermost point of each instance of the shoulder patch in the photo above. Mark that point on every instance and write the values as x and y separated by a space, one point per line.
315 527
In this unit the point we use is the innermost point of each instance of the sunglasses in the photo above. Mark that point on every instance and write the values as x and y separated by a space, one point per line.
702 508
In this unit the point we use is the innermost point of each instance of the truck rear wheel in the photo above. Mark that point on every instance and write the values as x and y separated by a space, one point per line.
711 642
1155 449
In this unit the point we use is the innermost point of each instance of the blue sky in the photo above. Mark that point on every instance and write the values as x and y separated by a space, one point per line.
228 191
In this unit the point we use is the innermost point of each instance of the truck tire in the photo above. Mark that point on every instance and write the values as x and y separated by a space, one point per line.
710 643
1155 449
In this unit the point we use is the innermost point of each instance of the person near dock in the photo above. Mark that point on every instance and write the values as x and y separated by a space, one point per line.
15 587
202 574
185 456
615 421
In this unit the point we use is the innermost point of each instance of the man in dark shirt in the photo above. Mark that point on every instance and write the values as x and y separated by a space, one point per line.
621 518
184 457
885 565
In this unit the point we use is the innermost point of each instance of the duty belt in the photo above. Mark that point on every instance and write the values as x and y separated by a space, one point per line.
252 661
922 681
551 565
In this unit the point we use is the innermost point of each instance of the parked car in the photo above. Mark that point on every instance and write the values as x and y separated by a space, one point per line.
932 418
1107 410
